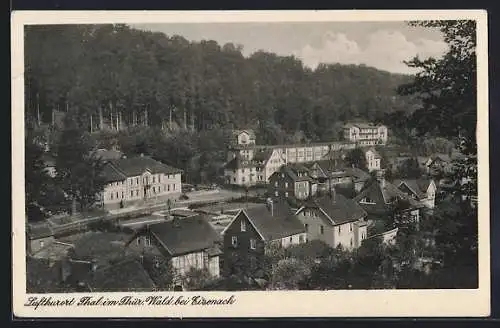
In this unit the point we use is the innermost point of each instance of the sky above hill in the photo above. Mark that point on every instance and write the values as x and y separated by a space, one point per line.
383 45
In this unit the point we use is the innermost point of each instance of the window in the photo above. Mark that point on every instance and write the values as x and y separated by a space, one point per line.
321 230
234 241
275 194
154 179
243 226
168 187
147 240
339 230
276 183
286 184
136 180
253 244
291 239
286 194
117 195
306 226
164 187
137 192
138 241
159 180
122 194
111 194
234 179
351 242
154 190
131 193
350 227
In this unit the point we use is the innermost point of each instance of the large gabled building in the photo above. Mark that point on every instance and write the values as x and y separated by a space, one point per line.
366 134
137 179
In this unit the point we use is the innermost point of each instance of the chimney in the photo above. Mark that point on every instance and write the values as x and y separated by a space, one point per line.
270 206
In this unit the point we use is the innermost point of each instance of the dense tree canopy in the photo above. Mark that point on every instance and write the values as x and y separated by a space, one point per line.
116 76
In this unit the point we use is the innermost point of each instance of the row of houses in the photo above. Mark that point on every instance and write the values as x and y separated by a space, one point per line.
188 240
249 164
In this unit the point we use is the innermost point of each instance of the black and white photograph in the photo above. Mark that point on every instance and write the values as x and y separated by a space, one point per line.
222 157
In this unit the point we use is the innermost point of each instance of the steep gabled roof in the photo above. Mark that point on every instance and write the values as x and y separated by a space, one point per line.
119 277
186 235
135 166
337 209
358 174
384 193
250 132
297 172
279 224
263 155
417 186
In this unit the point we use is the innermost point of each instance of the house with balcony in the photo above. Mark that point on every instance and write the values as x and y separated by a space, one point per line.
365 134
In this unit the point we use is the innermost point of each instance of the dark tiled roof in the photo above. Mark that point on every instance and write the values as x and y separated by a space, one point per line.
187 235
418 186
237 163
263 155
293 171
134 166
339 208
122 276
384 193
358 174
112 174
101 246
280 224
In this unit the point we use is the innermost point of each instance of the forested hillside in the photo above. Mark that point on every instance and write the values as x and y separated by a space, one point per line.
114 76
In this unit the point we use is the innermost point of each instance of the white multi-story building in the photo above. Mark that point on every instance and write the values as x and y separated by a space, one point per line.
373 160
132 180
250 164
365 134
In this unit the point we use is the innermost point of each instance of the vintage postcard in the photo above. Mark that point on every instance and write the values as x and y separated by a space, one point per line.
250 164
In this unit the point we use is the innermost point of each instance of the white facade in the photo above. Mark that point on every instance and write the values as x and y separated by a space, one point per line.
366 134
294 239
372 160
198 260
142 187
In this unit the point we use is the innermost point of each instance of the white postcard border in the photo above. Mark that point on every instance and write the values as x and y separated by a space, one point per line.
356 303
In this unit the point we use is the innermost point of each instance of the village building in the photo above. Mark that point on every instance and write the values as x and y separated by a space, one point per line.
380 197
138 179
292 180
365 134
373 159
335 220
359 177
249 164
188 243
422 190
253 230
